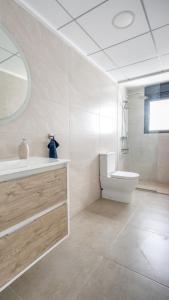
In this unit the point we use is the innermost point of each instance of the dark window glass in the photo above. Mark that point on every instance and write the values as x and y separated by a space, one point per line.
156 109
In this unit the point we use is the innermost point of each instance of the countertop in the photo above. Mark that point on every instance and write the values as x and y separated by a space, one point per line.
17 168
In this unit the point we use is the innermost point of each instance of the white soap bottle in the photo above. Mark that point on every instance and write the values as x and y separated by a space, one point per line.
23 149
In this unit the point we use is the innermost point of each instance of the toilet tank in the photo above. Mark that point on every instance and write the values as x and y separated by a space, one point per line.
107 163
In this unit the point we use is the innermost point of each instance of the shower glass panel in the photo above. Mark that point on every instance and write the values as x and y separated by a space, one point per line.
148 136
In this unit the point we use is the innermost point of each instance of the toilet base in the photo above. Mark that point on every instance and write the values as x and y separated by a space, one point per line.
118 196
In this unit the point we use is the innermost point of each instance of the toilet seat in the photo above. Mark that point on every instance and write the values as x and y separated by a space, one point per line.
124 175
116 185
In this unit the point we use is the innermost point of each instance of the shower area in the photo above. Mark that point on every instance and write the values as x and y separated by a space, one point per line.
142 150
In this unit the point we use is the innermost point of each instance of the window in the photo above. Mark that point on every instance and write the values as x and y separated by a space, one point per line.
156 110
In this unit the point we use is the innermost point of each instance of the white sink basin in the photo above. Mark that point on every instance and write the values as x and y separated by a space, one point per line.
11 165
10 169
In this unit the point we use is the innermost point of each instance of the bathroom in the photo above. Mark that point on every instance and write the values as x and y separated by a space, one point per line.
82 81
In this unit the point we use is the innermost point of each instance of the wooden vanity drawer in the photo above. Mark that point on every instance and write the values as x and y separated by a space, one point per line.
19 249
21 198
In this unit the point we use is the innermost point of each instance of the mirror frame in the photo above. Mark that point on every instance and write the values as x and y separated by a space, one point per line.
28 92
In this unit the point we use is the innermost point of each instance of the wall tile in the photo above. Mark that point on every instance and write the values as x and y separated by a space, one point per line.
70 97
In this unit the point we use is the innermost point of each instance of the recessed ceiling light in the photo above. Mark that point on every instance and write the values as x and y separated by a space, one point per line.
123 19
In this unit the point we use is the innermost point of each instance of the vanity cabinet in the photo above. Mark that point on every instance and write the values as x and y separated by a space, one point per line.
23 197
33 219
20 248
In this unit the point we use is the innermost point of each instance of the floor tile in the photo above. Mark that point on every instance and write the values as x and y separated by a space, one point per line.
94 231
113 282
99 225
59 275
152 220
162 188
9 294
152 200
115 211
115 251
144 252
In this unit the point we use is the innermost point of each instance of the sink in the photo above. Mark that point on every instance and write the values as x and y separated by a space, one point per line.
11 165
16 168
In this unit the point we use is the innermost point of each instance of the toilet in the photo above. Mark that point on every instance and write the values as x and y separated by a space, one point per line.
116 185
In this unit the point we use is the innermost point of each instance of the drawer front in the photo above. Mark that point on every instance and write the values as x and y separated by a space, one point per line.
24 197
19 249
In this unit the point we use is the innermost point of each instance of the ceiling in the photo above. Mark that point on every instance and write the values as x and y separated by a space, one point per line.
10 60
136 51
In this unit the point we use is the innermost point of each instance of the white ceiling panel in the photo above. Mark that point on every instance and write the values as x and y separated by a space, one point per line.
98 22
165 62
103 61
132 51
130 48
78 7
50 11
117 75
158 12
76 35
4 55
162 39
143 68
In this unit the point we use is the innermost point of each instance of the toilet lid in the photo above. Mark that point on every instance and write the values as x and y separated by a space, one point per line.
124 175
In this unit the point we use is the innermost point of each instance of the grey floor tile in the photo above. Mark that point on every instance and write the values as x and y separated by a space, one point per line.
135 236
115 211
9 294
144 252
151 220
60 275
113 282
155 201
94 231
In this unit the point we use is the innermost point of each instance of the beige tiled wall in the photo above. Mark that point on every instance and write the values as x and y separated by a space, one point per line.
69 97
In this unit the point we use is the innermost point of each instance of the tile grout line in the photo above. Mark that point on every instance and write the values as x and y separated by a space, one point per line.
115 240
150 230
152 36
79 16
132 38
132 64
102 49
124 227
125 267
75 20
87 278
144 76
119 43
135 63
89 275
133 271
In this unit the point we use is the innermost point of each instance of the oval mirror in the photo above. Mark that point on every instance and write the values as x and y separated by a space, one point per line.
14 79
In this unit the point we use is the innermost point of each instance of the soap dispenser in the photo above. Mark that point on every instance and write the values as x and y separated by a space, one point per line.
23 149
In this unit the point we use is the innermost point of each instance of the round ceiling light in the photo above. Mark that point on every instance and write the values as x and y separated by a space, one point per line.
123 19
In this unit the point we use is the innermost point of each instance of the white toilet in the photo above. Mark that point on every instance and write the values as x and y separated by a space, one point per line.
116 185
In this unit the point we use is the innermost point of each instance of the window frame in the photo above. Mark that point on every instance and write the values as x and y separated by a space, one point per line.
147 115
